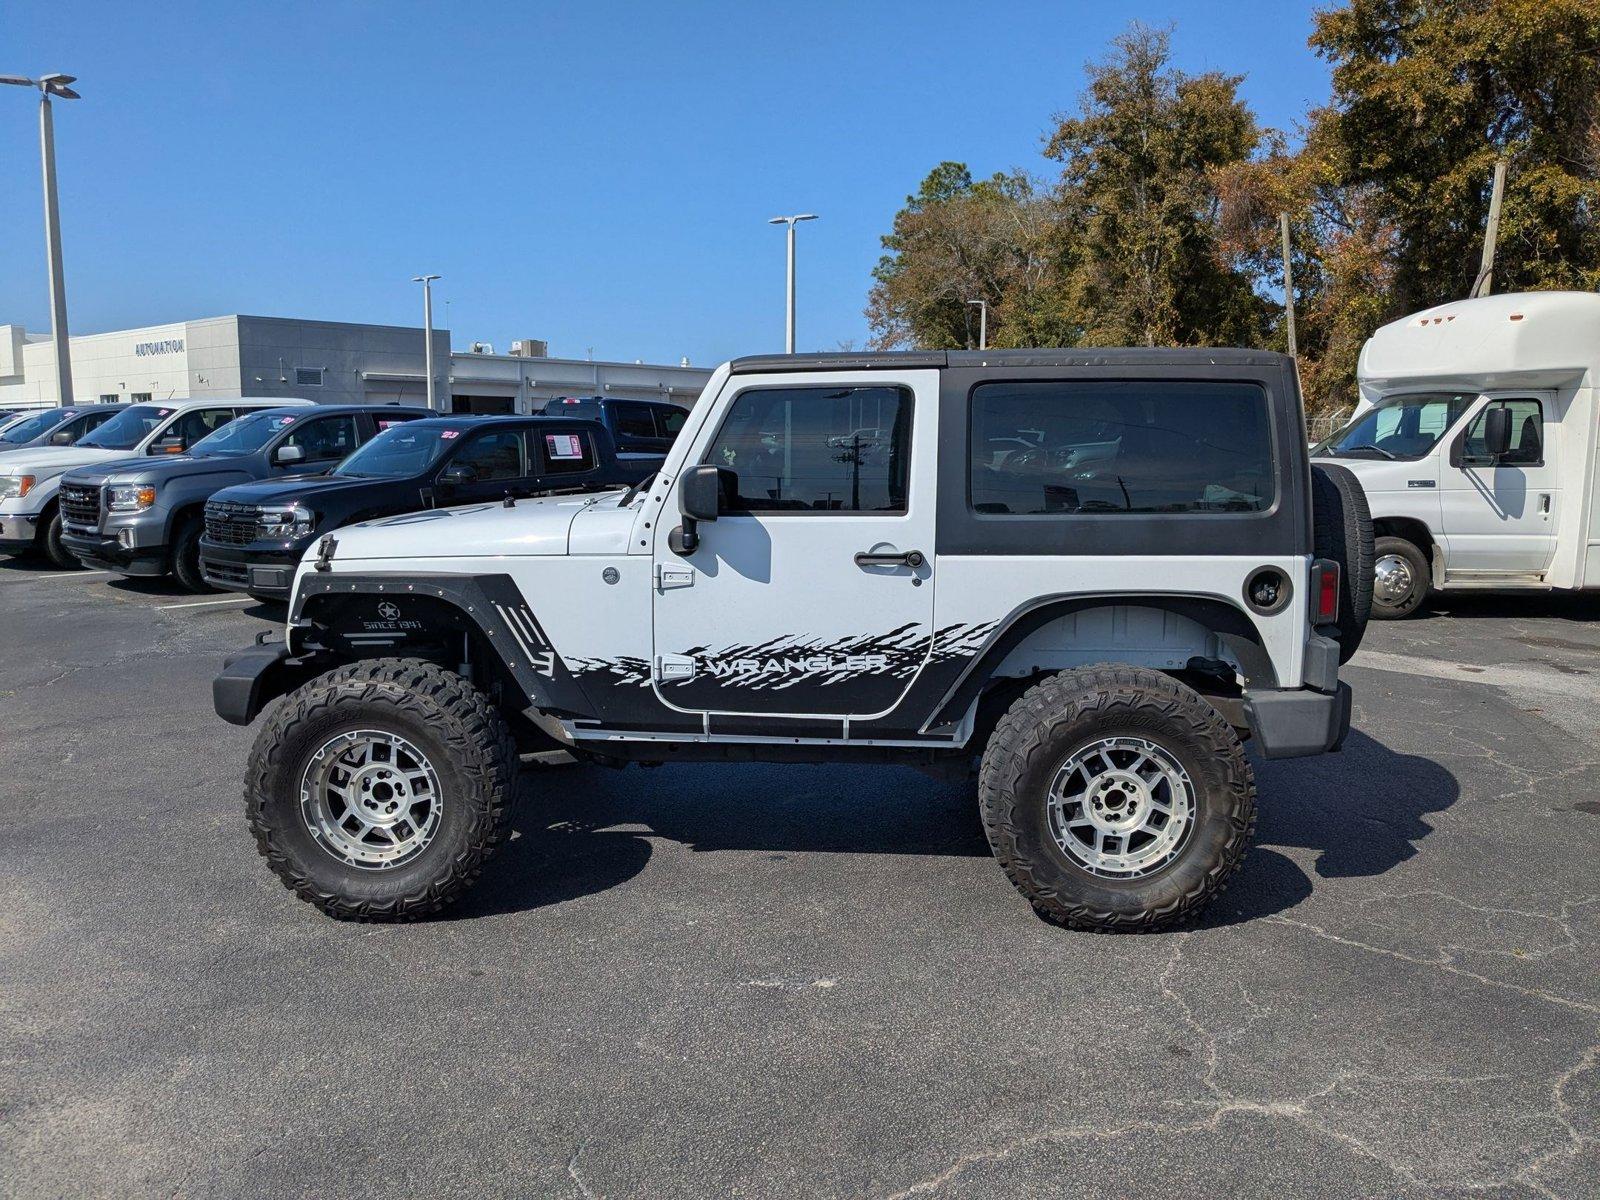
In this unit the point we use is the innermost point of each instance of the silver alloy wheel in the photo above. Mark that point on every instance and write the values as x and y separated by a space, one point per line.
371 799
1121 807
1392 580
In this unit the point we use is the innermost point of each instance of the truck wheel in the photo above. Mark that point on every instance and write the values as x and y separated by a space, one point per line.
50 543
1401 578
186 558
1116 799
1342 531
376 791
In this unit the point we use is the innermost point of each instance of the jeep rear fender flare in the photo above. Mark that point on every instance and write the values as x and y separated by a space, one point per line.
1223 618
493 605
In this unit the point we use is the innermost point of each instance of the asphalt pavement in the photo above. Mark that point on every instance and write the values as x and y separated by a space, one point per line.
799 981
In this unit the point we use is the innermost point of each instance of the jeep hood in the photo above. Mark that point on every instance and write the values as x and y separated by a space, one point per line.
487 530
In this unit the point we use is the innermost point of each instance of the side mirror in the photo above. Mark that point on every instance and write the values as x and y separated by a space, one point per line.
1497 431
64 438
168 445
702 496
288 455
458 474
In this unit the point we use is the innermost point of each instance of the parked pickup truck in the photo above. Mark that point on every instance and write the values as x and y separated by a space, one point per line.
55 426
31 515
257 533
145 516
642 430
1099 570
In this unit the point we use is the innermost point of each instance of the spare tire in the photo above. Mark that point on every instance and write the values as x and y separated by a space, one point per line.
1342 531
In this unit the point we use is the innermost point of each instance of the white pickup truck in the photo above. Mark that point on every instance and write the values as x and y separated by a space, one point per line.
1475 444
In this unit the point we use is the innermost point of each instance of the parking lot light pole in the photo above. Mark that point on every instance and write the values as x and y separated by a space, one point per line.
788 341
983 323
427 327
54 84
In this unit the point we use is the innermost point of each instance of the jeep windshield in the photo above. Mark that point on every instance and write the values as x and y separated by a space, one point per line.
1400 427
398 453
246 435
127 429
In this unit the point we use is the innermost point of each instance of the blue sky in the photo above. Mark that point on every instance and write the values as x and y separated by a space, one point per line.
598 174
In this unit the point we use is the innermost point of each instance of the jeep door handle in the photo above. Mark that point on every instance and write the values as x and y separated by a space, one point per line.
911 558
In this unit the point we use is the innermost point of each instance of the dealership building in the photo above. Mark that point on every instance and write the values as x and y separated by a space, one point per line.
329 361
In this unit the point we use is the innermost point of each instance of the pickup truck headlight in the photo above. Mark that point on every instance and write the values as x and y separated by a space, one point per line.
129 497
14 487
285 524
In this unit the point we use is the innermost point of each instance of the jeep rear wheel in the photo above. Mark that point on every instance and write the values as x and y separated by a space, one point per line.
1116 798
377 791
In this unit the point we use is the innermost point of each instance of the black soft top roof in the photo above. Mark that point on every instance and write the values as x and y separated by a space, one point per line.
1079 356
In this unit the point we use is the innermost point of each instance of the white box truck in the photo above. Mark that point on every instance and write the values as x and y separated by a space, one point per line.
1475 441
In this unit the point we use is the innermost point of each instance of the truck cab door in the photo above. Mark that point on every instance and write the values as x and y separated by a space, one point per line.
1498 513
811 593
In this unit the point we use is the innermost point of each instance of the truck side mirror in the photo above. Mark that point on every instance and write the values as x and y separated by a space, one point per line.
64 438
287 455
457 474
702 493
1497 431
171 444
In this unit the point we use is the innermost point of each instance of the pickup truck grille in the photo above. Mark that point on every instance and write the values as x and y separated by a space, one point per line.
80 506
230 524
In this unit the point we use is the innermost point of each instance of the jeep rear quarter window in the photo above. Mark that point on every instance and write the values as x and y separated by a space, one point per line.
1093 447
817 449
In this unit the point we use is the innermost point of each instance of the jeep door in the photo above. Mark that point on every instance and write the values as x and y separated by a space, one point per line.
1498 514
811 595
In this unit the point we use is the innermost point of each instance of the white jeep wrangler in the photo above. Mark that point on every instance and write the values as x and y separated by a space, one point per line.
1099 570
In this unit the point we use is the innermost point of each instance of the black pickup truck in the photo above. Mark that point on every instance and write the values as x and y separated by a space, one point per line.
256 533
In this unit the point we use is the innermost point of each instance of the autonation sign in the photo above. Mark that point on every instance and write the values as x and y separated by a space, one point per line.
170 346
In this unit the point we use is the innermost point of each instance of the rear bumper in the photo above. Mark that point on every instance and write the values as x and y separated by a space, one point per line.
1296 722
107 554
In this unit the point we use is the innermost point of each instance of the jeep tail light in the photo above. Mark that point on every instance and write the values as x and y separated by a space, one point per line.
1325 592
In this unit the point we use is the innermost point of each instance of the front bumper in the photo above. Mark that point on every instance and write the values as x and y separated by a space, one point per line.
1296 722
268 572
253 678
105 553
18 533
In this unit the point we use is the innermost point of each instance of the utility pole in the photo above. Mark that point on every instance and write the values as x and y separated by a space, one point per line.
983 323
1288 283
1483 284
427 326
788 341
54 84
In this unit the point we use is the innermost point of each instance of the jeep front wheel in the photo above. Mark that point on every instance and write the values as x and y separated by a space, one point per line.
1116 798
376 791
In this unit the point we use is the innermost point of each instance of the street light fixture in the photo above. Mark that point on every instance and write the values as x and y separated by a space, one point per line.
788 343
54 84
983 323
427 330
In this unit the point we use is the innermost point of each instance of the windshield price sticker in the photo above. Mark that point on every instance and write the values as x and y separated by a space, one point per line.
563 445
447 434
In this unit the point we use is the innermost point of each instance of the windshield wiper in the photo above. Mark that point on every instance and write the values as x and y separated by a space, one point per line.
627 497
1391 456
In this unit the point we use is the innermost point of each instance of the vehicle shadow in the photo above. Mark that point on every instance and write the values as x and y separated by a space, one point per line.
1563 606
580 830
1363 811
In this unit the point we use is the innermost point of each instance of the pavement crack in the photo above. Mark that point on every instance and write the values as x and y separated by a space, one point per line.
584 1189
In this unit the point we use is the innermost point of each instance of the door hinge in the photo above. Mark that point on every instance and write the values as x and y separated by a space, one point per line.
674 666
668 578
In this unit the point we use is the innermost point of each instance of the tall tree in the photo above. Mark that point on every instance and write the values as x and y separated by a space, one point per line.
1139 201
956 241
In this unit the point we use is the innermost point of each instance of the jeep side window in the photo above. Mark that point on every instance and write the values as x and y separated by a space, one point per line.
1527 436
1158 446
817 449
494 455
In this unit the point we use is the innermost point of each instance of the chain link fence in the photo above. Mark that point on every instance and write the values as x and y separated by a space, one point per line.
1324 424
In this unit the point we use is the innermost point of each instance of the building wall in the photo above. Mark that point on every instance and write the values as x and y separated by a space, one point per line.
529 382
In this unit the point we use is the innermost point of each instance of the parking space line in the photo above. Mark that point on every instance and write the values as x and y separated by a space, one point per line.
203 603
73 575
